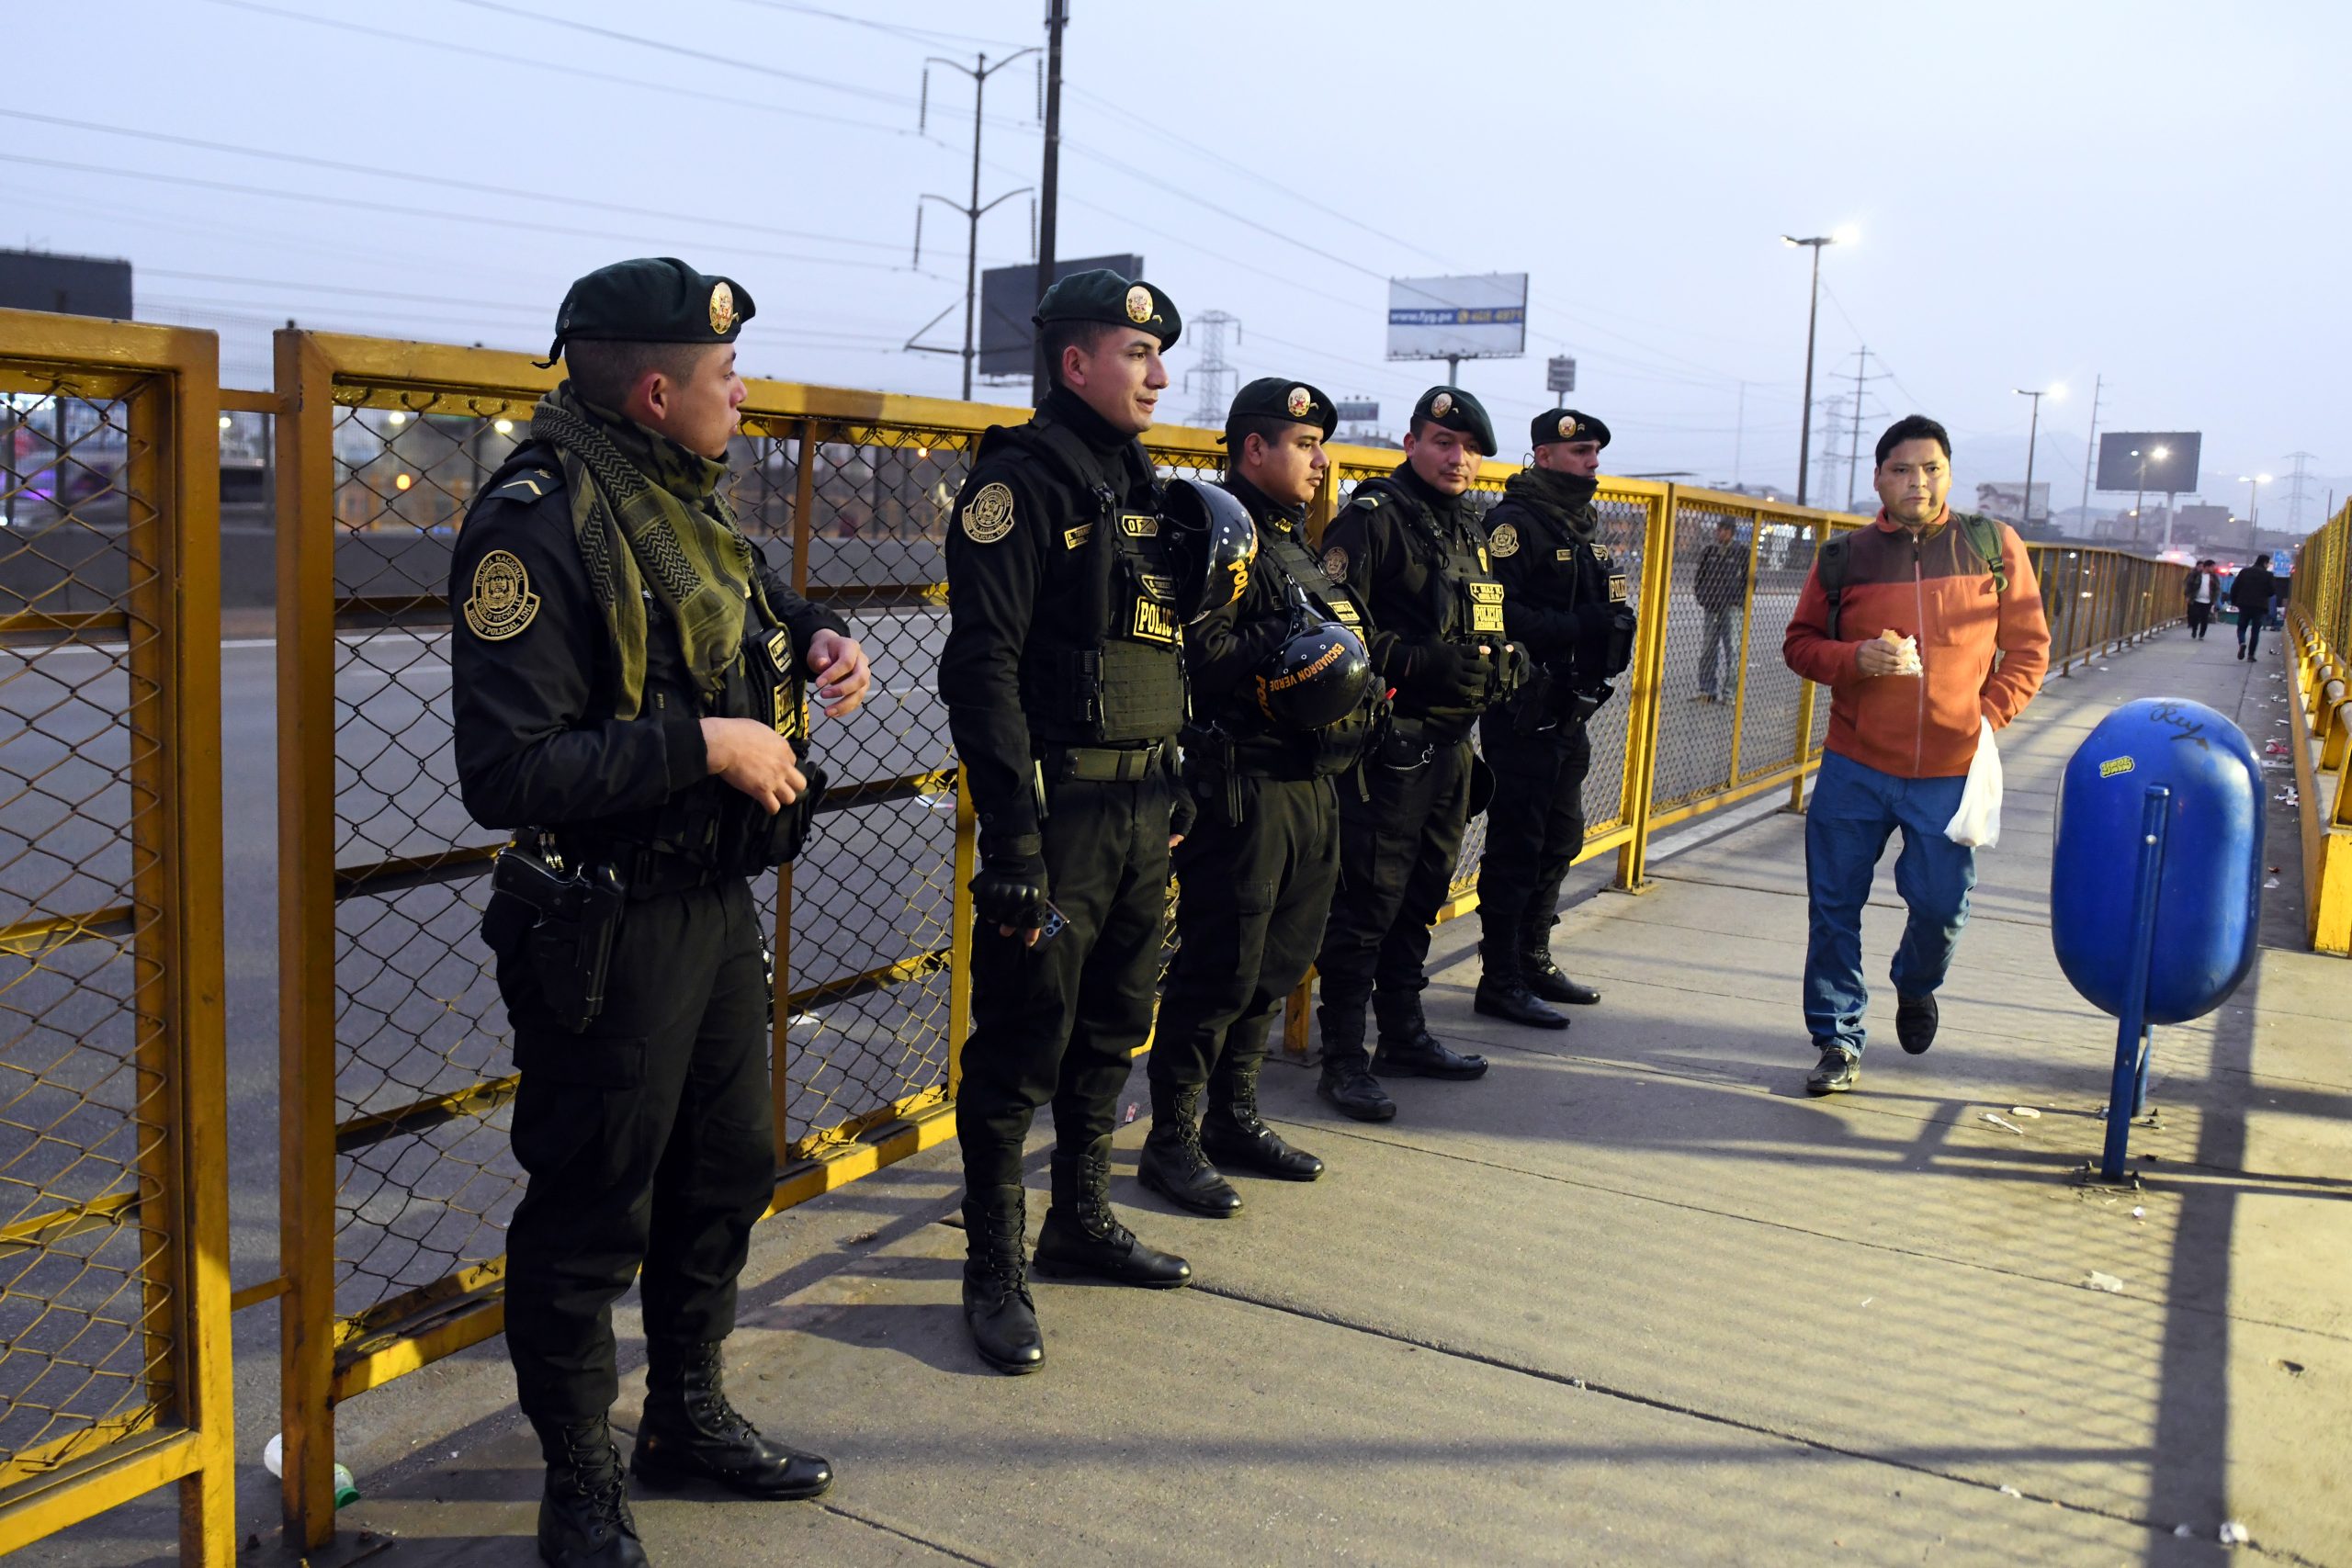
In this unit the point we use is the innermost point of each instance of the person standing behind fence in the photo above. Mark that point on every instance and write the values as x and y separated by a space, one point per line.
1719 581
1063 675
626 684
1406 546
1925 626
1283 703
2251 594
1565 597
2201 590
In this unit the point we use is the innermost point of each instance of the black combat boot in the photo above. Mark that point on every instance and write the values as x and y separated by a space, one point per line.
585 1520
997 1306
1082 1235
1234 1136
1408 1050
1543 977
1502 992
691 1433
1346 1082
1172 1163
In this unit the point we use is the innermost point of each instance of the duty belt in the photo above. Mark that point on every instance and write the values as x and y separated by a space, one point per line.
645 870
1101 764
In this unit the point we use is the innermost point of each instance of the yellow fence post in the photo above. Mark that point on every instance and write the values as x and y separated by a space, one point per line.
804 505
306 1027
1648 694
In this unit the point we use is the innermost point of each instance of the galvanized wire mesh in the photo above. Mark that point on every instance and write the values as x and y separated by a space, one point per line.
89 1116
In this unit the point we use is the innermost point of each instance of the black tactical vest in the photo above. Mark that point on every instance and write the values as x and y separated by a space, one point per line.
1244 735
1464 600
1103 664
1575 574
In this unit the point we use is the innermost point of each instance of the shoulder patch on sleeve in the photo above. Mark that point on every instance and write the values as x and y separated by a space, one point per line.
1504 541
502 604
526 485
987 516
1335 564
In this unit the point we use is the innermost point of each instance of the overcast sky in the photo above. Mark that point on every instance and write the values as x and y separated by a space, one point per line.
2047 192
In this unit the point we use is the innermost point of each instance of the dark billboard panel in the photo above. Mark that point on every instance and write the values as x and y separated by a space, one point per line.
2161 462
1008 299
69 286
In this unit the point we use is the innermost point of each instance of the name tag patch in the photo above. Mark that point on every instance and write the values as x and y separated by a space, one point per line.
1486 606
1138 525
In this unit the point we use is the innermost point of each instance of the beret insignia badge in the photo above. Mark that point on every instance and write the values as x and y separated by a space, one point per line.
502 604
990 516
1298 403
1567 427
1139 304
722 307
1442 405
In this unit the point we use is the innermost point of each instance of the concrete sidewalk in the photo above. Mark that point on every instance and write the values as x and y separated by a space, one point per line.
1632 1297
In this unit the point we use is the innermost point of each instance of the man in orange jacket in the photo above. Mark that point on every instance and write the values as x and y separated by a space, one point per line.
1922 638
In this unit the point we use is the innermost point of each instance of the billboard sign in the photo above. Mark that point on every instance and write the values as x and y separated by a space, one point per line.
1009 298
1560 375
2000 499
2128 460
1358 411
1478 317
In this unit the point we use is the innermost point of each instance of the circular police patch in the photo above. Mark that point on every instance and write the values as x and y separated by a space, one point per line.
1299 401
1139 304
1335 564
1505 541
1442 405
990 516
502 603
723 307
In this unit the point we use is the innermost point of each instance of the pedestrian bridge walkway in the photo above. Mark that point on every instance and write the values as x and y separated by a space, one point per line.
1632 1297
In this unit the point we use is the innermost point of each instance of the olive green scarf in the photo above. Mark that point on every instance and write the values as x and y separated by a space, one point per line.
1568 497
666 502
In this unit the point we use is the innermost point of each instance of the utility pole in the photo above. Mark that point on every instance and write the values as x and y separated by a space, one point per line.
2090 451
1213 369
2295 497
2033 434
1854 447
1050 183
979 73
1739 435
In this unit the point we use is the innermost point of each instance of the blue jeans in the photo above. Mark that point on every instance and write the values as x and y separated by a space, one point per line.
1854 809
1722 649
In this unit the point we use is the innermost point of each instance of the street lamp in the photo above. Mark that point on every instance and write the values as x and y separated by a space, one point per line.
2153 454
2252 508
2054 392
1845 236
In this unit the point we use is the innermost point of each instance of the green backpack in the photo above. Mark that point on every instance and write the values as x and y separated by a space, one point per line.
1983 537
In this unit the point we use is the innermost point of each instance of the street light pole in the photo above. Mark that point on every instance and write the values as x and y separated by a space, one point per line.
2253 509
1812 320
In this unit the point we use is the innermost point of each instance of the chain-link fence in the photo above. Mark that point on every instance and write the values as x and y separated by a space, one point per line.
2319 627
113 1217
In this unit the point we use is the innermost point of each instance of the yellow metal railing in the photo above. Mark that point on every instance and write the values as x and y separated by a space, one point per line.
2319 626
114 1254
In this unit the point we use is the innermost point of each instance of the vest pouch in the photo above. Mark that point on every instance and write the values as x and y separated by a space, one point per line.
1619 652
751 838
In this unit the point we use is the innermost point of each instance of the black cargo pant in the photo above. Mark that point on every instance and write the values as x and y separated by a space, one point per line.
1253 889
1534 831
649 1143
1059 1022
1397 855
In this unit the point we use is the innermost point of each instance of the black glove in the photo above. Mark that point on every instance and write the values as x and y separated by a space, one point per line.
1444 676
1009 890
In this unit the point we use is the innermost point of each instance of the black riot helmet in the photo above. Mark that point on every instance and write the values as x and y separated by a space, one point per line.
1317 677
1216 544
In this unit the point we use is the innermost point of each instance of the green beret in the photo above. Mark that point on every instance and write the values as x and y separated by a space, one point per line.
1101 295
1566 424
650 299
1274 396
1457 410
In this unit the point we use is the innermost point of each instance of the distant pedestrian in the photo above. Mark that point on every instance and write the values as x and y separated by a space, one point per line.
1925 627
2252 594
2203 591
1719 583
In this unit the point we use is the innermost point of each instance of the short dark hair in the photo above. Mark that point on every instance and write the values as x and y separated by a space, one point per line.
1912 427
1265 427
1727 525
605 372
1058 336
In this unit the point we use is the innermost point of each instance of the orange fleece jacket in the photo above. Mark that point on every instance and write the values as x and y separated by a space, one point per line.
1935 588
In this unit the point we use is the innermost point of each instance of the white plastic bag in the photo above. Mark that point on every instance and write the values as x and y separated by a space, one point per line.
1977 823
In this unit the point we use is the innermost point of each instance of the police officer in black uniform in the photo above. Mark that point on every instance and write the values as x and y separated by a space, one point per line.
628 681
1566 598
1283 703
1408 546
1063 675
